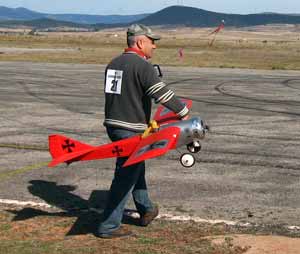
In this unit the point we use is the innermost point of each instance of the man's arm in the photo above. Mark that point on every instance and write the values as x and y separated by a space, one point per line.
161 94
159 91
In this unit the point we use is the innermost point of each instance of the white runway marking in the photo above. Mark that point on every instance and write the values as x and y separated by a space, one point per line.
23 203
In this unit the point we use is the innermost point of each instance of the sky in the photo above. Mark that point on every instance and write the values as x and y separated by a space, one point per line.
125 7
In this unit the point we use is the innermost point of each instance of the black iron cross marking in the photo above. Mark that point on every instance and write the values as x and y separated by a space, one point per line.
117 150
114 82
68 145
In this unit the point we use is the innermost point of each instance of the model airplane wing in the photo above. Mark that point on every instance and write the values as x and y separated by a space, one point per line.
154 145
64 149
164 116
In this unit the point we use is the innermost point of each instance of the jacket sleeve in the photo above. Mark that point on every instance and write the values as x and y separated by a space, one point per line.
158 90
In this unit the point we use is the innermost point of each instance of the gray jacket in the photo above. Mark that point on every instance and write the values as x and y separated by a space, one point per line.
130 84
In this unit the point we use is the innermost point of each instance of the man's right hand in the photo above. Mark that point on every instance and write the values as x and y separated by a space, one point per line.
185 118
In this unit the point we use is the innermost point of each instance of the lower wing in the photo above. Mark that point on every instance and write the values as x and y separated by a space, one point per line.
64 149
154 145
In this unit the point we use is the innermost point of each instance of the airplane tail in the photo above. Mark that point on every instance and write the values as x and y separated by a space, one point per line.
64 149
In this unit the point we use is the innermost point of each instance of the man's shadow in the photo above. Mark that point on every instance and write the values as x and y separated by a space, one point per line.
88 212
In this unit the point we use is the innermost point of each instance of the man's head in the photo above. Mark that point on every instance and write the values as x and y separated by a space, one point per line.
142 38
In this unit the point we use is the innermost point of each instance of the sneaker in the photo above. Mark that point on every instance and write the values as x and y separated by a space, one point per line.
119 233
148 217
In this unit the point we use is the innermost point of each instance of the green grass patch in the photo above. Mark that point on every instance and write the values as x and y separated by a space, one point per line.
40 247
13 172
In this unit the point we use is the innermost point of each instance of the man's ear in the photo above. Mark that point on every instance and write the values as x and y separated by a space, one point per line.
139 43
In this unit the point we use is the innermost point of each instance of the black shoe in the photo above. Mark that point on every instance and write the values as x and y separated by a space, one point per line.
148 217
119 233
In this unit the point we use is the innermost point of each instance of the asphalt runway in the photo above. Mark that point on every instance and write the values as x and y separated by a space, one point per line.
248 170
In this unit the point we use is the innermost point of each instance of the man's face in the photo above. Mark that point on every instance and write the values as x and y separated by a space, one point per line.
147 46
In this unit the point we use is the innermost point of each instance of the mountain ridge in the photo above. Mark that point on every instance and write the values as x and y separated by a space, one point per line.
170 16
195 17
25 14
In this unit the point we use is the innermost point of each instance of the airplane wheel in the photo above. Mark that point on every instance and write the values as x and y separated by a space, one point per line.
187 160
194 147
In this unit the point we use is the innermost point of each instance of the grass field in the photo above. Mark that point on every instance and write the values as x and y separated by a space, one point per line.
33 231
267 47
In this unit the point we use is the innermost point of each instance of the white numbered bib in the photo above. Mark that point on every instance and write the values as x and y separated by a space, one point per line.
113 81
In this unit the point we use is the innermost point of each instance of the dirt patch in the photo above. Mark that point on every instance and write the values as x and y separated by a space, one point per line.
21 227
38 231
263 244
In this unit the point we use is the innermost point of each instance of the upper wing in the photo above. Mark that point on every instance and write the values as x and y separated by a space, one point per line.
163 115
154 145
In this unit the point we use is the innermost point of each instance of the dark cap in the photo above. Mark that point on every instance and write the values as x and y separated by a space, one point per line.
138 29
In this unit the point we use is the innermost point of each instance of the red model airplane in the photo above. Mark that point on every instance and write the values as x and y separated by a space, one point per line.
156 141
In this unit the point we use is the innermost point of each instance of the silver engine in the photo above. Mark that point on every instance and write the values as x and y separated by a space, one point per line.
192 131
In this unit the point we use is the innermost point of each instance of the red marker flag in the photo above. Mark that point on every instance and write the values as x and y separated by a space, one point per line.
219 28
180 53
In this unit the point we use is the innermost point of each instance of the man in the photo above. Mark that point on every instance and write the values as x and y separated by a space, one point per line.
130 84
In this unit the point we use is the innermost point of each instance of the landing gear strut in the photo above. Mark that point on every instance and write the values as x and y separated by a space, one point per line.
194 147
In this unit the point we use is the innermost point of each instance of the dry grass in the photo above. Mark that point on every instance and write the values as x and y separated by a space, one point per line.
259 48
34 231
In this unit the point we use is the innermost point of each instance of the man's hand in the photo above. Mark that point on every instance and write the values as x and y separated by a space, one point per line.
185 118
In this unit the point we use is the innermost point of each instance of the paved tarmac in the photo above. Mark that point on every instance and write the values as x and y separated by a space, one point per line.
248 170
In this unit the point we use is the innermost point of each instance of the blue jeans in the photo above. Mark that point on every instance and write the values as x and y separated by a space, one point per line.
126 180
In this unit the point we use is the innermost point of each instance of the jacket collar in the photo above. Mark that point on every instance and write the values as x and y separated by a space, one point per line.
136 51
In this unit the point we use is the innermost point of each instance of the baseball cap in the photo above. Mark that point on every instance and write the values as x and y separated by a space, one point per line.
138 29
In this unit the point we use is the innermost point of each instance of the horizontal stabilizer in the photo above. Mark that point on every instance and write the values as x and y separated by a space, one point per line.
64 149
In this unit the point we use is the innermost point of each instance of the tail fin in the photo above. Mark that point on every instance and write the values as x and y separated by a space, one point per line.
64 149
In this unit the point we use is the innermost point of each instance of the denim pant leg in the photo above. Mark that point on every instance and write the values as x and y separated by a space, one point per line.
140 193
121 187
125 180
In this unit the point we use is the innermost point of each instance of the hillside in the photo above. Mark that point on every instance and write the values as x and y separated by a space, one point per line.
18 14
55 25
41 23
194 17
95 19
25 14
170 16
